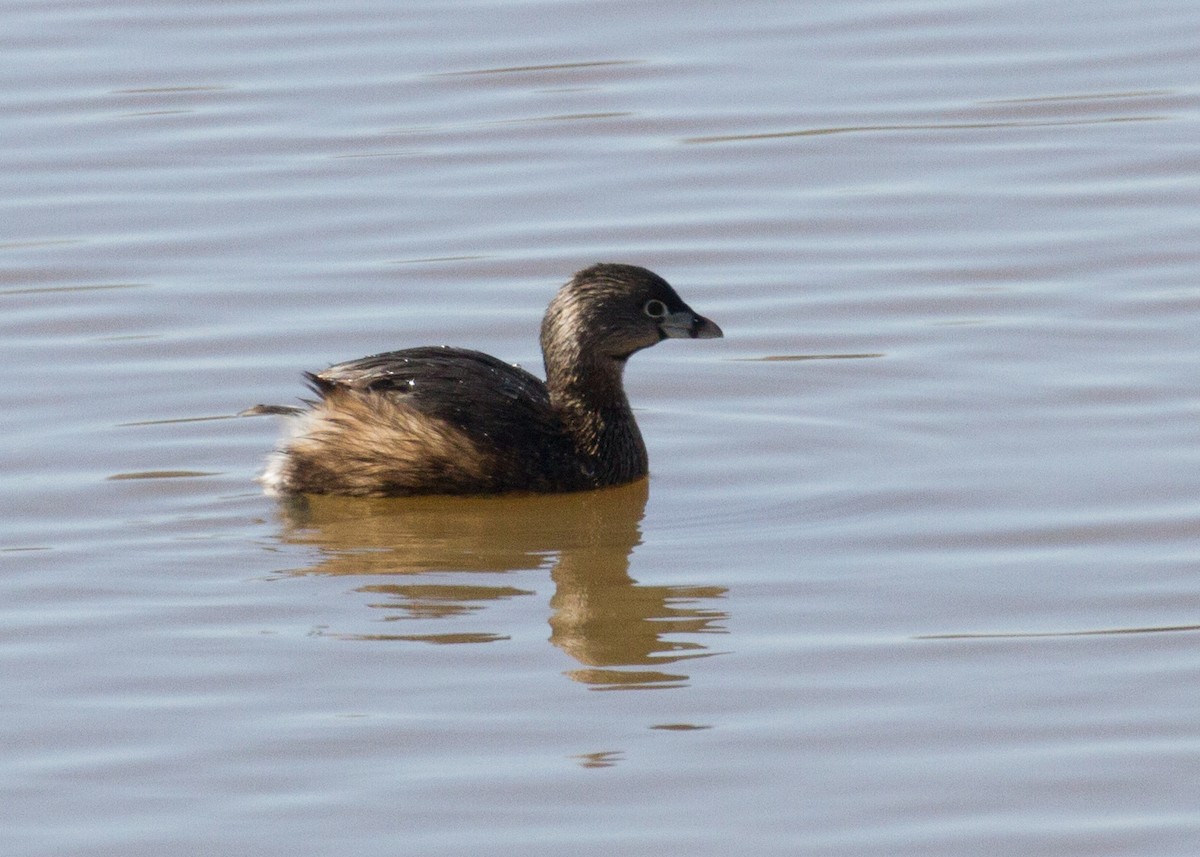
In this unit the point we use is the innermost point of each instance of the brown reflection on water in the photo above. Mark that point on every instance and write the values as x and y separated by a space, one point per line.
600 616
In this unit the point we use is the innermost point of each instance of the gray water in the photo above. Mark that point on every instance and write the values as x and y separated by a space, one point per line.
916 571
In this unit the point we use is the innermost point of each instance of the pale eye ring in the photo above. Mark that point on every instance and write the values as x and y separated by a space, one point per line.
656 309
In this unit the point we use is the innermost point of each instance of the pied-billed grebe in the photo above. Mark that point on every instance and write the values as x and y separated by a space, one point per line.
452 421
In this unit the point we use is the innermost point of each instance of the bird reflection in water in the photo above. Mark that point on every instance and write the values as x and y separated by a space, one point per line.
623 634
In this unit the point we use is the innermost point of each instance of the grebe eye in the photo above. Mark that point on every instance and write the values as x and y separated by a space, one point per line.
656 309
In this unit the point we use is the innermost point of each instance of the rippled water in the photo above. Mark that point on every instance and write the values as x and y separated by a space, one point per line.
916 569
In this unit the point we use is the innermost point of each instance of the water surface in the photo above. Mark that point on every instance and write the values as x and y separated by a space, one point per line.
915 572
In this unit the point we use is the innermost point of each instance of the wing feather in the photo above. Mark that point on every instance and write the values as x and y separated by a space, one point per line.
491 401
